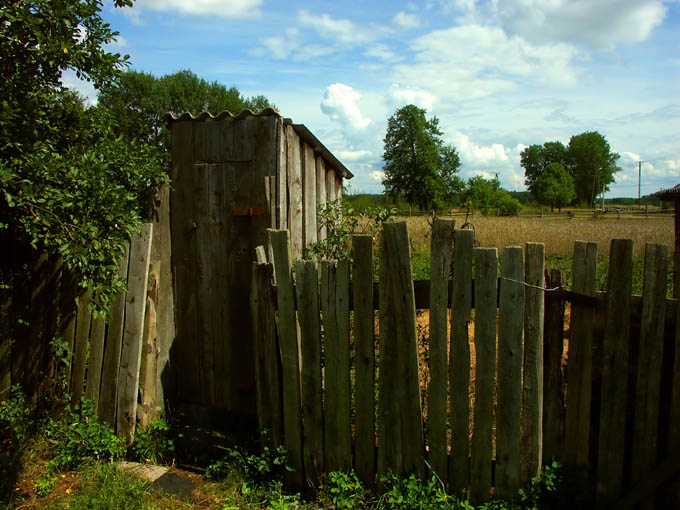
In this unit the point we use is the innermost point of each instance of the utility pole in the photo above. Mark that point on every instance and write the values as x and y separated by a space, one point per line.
602 197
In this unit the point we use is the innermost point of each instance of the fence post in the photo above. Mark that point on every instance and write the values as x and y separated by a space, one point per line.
486 279
532 388
364 364
310 350
459 362
440 254
614 389
510 326
580 367
288 338
648 385
553 396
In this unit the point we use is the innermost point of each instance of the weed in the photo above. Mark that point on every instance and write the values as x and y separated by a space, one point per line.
343 491
267 466
104 486
152 443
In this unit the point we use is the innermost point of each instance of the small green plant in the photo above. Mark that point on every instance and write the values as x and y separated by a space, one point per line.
344 491
105 486
152 443
78 436
269 465
14 418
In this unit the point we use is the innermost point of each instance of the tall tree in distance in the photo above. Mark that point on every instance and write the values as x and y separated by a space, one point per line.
554 187
592 164
536 158
417 165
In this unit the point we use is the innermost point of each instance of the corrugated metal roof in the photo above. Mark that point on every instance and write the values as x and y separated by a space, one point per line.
300 129
670 193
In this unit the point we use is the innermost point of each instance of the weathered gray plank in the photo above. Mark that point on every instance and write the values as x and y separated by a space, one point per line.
440 257
294 168
532 388
486 270
185 352
309 195
95 357
648 385
267 373
553 394
307 287
335 310
281 177
510 351
408 386
390 455
288 338
108 394
364 363
131 352
320 192
204 283
148 371
331 191
459 362
68 310
83 321
674 418
580 368
614 388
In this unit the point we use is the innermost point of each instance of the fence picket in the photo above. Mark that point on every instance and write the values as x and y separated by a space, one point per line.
310 350
553 395
532 388
407 388
486 279
267 373
83 321
459 363
364 364
95 358
335 310
131 352
648 385
614 388
440 256
510 325
288 338
580 375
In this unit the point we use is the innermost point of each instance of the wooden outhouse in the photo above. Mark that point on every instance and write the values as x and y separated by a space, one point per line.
232 178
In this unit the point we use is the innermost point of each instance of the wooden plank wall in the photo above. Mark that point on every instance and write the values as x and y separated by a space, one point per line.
107 350
528 341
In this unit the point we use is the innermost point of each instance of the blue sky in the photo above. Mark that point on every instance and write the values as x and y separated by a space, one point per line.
499 74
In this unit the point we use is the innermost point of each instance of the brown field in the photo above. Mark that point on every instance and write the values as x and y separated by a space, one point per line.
557 234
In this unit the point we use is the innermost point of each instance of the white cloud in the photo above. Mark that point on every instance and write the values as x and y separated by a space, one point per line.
398 97
473 61
83 87
213 8
405 20
377 175
340 103
358 155
279 46
383 52
343 31
600 23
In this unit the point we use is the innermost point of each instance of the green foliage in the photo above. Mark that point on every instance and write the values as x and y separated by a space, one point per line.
588 160
14 419
78 436
416 163
487 196
554 187
152 443
343 491
106 487
406 493
260 468
341 223
69 185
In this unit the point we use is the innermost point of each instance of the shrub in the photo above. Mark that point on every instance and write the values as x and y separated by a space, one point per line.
152 443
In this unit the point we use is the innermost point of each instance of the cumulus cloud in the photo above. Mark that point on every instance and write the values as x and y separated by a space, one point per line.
279 46
601 24
382 52
213 8
340 103
377 175
398 97
473 61
405 20
83 87
358 155
343 31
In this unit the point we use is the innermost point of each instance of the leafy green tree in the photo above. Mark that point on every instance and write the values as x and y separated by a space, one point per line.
69 185
554 187
487 196
592 165
536 158
417 166
450 164
138 101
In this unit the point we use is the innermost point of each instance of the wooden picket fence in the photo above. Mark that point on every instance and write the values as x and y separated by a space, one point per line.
111 360
606 403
